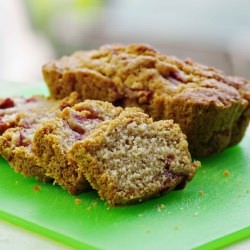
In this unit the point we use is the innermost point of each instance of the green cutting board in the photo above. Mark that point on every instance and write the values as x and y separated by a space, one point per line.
213 210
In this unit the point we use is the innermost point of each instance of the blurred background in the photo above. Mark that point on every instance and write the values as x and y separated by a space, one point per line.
212 32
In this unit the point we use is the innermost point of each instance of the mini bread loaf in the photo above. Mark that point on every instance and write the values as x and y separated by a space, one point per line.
212 109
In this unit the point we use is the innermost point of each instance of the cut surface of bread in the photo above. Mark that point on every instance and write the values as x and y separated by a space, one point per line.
56 136
20 123
131 158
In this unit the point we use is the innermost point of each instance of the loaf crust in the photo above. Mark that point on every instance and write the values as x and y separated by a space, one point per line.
212 109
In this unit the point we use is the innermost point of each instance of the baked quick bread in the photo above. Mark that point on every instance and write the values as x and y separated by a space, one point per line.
131 158
212 109
54 138
20 121
126 156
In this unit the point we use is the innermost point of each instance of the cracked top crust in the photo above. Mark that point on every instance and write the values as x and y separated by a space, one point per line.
138 69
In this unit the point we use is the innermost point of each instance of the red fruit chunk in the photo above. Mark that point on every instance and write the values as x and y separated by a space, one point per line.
7 103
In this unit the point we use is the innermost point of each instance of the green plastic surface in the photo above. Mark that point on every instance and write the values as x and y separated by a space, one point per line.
213 210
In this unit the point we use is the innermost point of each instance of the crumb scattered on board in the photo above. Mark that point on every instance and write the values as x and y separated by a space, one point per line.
201 192
160 207
226 173
37 188
78 201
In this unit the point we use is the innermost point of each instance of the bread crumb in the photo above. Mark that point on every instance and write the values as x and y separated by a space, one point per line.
201 192
94 204
78 201
204 171
196 214
160 207
17 182
139 215
176 227
226 173
148 231
88 208
248 191
37 188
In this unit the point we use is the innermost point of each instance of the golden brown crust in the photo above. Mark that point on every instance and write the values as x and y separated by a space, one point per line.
20 158
163 86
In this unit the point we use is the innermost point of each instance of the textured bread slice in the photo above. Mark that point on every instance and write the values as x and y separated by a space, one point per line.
131 158
55 137
12 109
212 109
20 123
